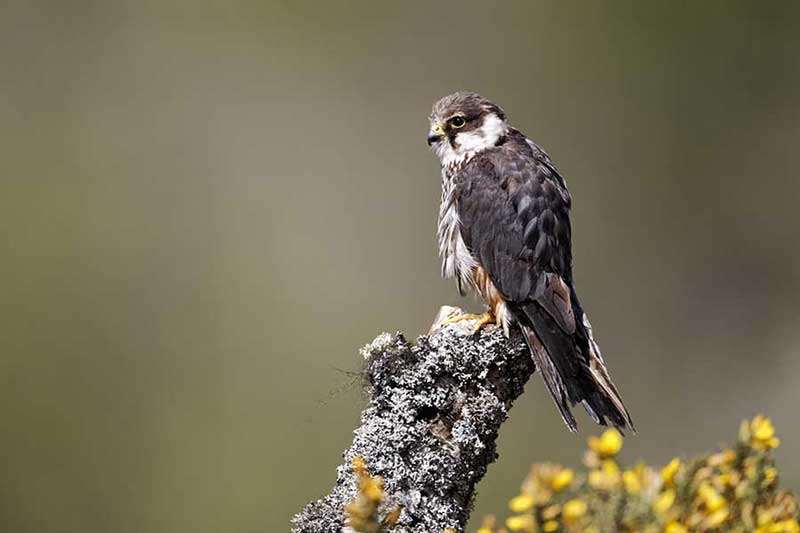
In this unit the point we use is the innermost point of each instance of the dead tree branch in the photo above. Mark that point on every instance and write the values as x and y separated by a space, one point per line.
430 428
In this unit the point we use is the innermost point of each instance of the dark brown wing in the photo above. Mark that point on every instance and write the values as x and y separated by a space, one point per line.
514 213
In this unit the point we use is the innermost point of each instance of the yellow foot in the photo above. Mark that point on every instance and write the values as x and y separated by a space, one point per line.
482 320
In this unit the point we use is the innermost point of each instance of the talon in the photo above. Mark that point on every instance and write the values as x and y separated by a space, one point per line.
461 318
483 320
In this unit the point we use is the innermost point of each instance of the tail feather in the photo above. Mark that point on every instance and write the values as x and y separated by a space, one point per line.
598 370
572 368
551 376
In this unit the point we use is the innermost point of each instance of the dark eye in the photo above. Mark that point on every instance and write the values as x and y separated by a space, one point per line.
457 122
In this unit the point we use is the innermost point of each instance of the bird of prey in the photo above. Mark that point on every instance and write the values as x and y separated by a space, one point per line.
504 232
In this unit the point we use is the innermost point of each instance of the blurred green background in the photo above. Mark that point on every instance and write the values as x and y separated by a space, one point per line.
206 208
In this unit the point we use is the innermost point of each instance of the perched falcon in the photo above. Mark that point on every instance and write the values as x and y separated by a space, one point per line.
504 231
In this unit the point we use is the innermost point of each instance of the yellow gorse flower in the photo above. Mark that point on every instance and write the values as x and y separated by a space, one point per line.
638 478
562 479
550 526
362 512
573 510
762 428
784 526
544 481
606 477
675 527
716 518
670 470
760 433
523 522
723 458
631 482
770 475
664 501
711 498
608 444
522 503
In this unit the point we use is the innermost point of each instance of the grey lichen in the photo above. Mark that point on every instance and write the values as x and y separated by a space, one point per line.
430 428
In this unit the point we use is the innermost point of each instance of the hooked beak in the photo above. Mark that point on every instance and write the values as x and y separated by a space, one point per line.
435 134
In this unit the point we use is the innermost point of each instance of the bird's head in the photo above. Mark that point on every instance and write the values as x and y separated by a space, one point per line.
464 123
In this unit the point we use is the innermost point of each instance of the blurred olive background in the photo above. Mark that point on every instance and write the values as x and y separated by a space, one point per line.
206 208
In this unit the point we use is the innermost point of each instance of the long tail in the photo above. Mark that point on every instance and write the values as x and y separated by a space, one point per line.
572 367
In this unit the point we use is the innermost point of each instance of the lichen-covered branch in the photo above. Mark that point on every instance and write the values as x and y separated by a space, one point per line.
430 428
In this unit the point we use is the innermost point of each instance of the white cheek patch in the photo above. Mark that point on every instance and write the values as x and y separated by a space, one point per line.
470 141
492 129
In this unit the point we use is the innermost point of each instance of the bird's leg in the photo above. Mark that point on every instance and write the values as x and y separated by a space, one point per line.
481 321
485 319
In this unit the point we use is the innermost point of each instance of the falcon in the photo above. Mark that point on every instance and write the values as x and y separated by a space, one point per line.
504 232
